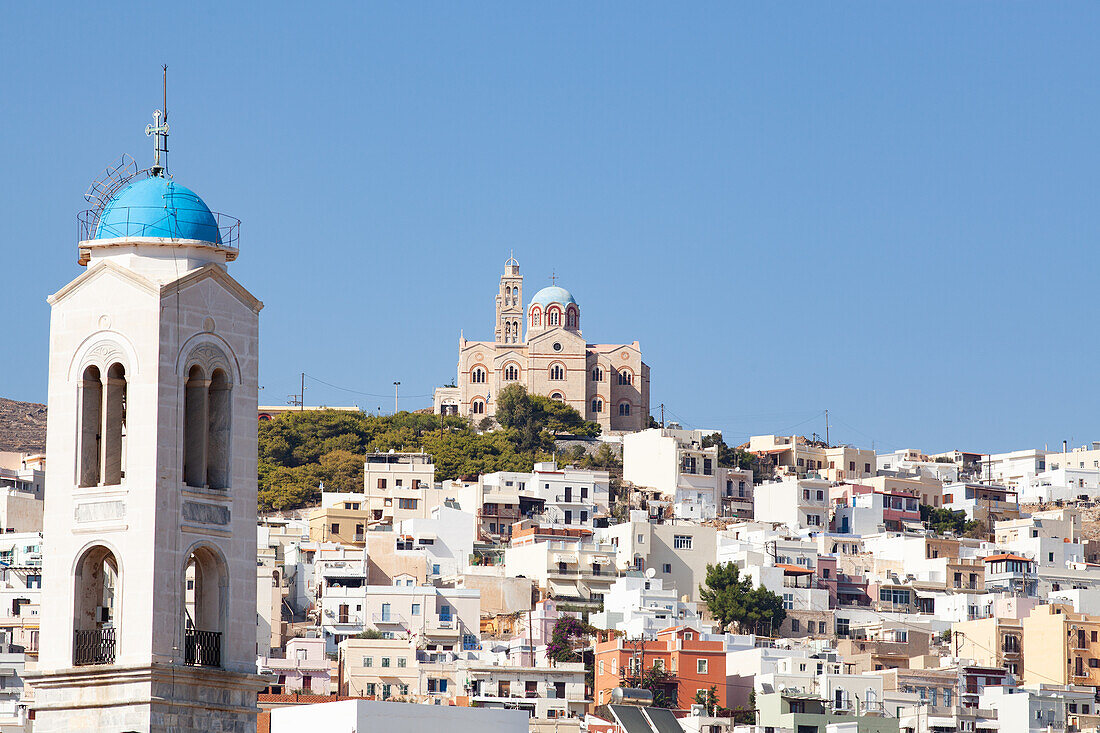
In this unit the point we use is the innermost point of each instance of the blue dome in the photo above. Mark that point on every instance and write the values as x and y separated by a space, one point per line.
553 294
157 207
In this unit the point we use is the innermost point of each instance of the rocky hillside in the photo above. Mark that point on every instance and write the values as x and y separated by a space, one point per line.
22 426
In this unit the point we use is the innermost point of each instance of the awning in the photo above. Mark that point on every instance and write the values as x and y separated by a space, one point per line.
915 526
426 535
7 671
566 557
602 559
794 569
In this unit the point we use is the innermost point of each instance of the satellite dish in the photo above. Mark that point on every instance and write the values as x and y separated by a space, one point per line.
650 572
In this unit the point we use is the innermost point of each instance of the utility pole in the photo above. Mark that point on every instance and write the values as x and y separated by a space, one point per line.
827 443
396 387
662 414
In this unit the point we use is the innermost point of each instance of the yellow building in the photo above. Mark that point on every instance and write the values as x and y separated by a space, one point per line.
991 642
1061 647
341 518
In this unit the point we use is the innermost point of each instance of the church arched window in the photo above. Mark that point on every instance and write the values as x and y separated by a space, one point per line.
94 622
91 410
558 396
553 317
597 374
477 376
478 407
597 405
557 372
571 317
624 409
205 582
625 377
536 317
114 426
217 439
511 373
195 426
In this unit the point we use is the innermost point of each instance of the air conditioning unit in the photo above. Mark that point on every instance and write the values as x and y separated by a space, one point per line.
102 614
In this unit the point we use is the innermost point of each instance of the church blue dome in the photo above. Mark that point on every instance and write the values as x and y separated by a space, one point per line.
553 294
157 207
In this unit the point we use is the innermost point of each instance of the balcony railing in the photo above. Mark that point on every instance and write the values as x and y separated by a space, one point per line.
202 648
94 646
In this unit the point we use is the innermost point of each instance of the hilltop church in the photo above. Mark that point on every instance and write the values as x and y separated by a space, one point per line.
606 383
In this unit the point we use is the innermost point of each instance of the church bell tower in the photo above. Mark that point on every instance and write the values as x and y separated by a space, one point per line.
509 305
150 516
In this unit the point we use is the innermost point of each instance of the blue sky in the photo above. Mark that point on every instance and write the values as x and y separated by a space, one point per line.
885 210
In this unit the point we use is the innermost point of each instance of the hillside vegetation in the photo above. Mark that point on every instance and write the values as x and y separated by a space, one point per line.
298 451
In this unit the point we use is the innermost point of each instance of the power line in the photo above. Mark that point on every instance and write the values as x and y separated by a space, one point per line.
360 392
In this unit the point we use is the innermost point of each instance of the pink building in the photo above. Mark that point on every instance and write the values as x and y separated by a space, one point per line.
305 668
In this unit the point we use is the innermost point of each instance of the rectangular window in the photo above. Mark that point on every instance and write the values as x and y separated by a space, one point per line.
416 609
385 661
381 483
796 626
401 662
681 542
335 528
368 661
701 666
406 503
788 601
667 567
369 689
708 467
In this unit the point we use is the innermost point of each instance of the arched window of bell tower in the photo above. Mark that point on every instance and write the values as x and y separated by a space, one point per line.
217 439
91 412
195 426
205 588
94 615
114 426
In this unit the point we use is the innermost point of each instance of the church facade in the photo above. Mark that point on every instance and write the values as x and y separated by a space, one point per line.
542 348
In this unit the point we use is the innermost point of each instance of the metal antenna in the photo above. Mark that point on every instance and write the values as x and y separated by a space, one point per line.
159 132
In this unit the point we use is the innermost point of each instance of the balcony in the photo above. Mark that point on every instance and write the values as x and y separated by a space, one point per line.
94 646
202 648
395 619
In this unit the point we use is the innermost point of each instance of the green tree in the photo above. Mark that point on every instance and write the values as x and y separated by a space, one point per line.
708 699
657 680
728 457
567 631
942 521
732 600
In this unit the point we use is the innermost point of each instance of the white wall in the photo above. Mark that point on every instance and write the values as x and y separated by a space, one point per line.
366 715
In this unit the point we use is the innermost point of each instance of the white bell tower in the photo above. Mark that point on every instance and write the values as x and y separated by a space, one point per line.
149 617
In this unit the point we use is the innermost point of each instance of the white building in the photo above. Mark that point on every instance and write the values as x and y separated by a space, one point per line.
564 496
544 692
447 619
1009 469
565 566
1065 484
399 486
642 606
678 553
675 463
801 504
1042 708
364 715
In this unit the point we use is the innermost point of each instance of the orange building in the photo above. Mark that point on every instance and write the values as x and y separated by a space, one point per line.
694 664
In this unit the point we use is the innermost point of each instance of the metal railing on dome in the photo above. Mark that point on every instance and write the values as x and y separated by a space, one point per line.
229 227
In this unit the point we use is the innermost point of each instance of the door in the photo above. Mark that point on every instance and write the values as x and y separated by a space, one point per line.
385 612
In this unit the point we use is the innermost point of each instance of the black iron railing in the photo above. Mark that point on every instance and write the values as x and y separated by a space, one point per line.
202 648
94 646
